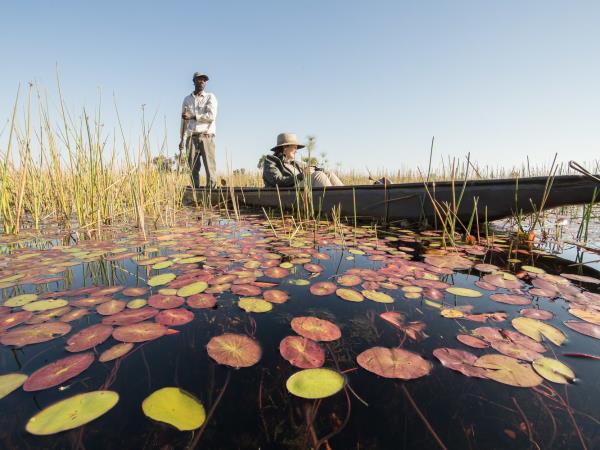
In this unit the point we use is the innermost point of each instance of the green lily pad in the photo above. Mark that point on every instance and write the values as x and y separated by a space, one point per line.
315 383
10 382
161 279
176 407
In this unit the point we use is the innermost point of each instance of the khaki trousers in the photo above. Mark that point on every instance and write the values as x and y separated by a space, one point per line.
321 178
201 149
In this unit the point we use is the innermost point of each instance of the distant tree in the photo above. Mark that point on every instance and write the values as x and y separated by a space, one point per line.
163 163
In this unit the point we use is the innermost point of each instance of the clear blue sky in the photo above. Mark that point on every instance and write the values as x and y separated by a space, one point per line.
372 80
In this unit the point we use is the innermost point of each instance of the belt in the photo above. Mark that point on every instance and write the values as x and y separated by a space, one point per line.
203 134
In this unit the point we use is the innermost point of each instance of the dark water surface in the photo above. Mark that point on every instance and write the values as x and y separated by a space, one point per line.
255 410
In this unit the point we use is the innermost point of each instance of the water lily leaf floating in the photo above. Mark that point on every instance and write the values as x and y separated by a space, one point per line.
234 350
174 317
451 313
45 305
376 296
507 370
553 370
460 361
111 307
193 288
315 383
589 329
161 279
463 292
176 407
11 382
316 329
139 332
255 305
72 412
20 300
394 363
587 315
538 330
350 295
302 352
161 301
34 334
58 372
136 303
510 299
116 351
323 288
276 296
89 337
11 320
130 316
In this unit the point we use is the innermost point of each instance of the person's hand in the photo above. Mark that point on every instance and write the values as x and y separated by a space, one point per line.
187 115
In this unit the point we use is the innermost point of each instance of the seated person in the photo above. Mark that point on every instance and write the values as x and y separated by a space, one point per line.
281 169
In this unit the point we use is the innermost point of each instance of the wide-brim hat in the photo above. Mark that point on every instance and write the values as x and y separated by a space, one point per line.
200 75
287 139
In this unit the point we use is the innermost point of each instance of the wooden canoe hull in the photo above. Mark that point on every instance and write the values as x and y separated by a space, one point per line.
496 199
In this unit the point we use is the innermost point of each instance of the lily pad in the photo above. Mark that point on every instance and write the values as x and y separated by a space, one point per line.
460 361
20 300
323 288
111 307
72 412
394 363
139 332
451 313
58 372
135 291
161 301
507 370
553 370
538 330
136 303
510 299
589 329
89 337
199 301
11 382
176 407
316 329
130 316
376 296
472 341
539 314
589 315
255 305
276 272
276 296
245 290
174 317
45 305
463 292
234 350
349 295
11 320
34 334
315 383
302 352
580 278
116 351
349 280
161 279
193 288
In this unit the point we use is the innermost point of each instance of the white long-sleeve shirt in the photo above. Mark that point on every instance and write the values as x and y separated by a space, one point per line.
204 107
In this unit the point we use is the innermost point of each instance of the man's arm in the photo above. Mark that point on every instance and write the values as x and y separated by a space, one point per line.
211 111
182 127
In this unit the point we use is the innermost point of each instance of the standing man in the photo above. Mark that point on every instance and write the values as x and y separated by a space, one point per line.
198 116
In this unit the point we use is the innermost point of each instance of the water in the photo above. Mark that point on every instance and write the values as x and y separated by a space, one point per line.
255 410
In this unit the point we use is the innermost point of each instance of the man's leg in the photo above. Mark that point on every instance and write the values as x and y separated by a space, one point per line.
210 163
333 178
319 179
194 161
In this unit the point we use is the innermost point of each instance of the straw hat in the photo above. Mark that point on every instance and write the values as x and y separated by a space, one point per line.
287 139
200 75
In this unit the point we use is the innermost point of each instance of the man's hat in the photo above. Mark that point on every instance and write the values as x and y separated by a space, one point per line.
287 139
200 75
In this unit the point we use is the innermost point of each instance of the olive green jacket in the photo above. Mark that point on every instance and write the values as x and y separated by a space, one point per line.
275 173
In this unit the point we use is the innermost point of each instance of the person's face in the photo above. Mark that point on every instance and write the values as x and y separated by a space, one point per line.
289 151
199 83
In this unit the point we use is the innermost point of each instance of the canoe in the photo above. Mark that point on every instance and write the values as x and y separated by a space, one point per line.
414 202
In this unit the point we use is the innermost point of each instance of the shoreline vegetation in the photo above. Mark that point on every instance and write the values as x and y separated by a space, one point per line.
65 169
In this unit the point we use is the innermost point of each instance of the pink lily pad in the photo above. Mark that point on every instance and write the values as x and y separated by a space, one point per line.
276 272
234 350
589 329
276 296
58 372
302 352
472 341
245 290
160 301
34 334
116 351
11 320
510 299
130 316
200 301
460 361
174 317
316 329
89 337
139 332
323 288
111 307
539 314
394 363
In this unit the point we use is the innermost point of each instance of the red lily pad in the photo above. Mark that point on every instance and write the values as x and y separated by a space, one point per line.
394 363
589 329
89 337
109 290
203 300
34 334
323 288
393 317
276 296
74 315
276 272
302 352
245 290
58 372
316 329
116 351
130 316
165 301
89 302
139 332
460 361
485 285
313 268
349 280
111 307
515 350
174 317
540 314
510 299
503 281
135 291
472 341
580 278
11 320
234 350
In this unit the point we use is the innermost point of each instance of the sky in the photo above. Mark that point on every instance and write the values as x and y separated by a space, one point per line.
373 81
